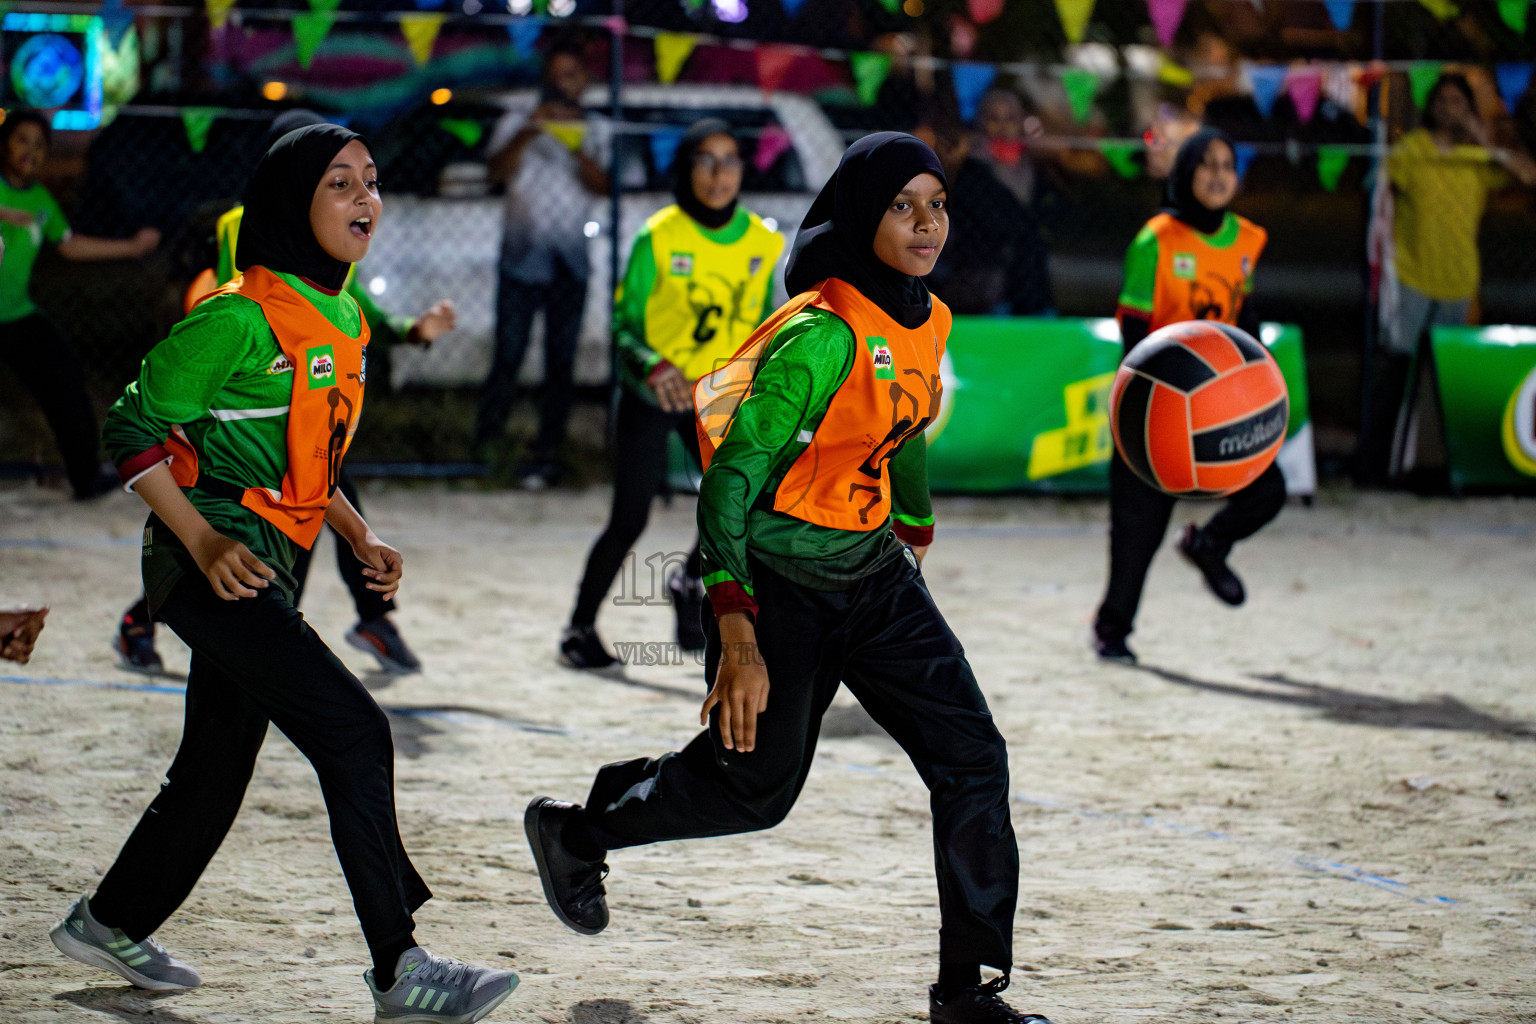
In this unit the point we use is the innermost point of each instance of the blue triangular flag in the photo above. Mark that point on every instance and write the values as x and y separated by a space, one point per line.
117 22
1242 155
971 83
1513 80
1342 12
792 7
1266 80
664 149
427 5
525 34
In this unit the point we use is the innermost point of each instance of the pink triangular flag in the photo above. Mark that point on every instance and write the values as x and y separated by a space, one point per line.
1304 88
1167 15
773 61
772 144
983 11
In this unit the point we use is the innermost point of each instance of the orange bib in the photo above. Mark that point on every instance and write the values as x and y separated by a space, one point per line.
1197 280
841 480
322 412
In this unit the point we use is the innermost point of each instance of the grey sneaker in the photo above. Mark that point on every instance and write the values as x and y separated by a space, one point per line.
81 937
431 989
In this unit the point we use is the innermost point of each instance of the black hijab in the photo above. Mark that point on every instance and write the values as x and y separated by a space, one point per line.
275 232
837 237
682 174
1179 193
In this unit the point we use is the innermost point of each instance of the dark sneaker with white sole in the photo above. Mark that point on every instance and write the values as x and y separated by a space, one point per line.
144 963
135 647
572 886
1201 552
431 989
979 1004
381 639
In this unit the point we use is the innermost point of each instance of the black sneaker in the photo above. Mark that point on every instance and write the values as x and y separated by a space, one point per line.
581 648
573 887
979 1004
135 647
1113 649
381 639
1198 550
688 603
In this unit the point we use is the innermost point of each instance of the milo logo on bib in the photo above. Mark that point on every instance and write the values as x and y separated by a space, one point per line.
1518 431
880 355
322 367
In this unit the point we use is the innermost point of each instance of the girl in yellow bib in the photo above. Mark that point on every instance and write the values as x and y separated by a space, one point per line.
234 435
816 474
699 282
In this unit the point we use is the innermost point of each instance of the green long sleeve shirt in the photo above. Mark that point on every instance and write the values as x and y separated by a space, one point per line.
220 376
802 368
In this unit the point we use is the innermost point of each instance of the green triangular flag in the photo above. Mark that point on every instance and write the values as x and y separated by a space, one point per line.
466 130
1514 13
1122 157
1081 86
309 31
1331 161
891 5
869 71
1422 76
197 121
324 6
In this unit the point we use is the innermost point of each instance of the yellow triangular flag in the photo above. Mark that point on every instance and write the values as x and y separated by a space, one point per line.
1444 10
569 132
218 11
672 50
1074 16
420 31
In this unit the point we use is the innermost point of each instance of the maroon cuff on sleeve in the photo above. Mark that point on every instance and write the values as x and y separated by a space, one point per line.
142 461
916 536
729 596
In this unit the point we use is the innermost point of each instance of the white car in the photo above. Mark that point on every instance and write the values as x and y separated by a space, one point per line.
446 246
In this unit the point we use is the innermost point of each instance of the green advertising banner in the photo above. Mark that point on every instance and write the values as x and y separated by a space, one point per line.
1487 378
1026 406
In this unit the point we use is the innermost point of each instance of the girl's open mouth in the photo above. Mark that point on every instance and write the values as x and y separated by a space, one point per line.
363 227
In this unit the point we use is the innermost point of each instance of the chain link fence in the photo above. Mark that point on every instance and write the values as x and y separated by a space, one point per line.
1062 144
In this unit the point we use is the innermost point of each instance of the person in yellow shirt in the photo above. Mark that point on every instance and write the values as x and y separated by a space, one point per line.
699 281
1441 175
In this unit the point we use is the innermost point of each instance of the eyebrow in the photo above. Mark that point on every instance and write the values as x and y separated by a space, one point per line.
346 166
908 192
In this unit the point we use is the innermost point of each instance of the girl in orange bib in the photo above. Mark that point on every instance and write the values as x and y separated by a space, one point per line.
813 517
234 435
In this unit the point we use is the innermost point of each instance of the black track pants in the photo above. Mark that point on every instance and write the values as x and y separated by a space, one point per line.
885 639
256 661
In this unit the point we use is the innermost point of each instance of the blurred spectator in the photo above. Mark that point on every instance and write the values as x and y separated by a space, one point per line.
42 359
553 162
995 259
1006 131
1441 175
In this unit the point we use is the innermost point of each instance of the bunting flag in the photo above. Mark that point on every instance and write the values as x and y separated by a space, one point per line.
420 31
309 31
664 149
1266 81
971 83
525 34
672 50
116 21
1122 157
1514 14
218 12
869 71
1166 18
1331 161
792 7
773 143
1341 12
1074 15
1444 10
1304 89
1081 86
197 121
1513 80
772 64
1242 155
324 6
569 133
1422 76
1175 75
983 11
891 6
466 129
430 5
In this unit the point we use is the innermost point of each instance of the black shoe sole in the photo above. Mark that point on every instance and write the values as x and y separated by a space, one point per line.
1218 595
531 830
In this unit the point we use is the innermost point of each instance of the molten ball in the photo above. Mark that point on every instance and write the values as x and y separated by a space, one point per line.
1198 409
